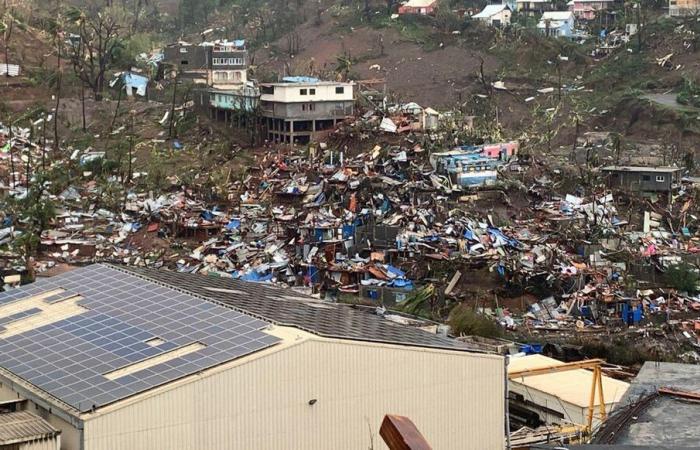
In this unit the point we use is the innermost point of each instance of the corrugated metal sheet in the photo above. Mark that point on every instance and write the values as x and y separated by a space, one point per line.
454 398
573 386
12 68
24 426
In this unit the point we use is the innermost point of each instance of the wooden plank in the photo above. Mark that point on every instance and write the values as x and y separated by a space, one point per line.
679 393
453 282
400 433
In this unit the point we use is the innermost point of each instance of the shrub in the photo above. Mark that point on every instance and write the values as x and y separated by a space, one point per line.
683 277
465 321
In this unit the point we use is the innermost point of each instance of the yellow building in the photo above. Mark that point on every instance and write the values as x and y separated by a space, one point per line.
683 7
141 359
561 397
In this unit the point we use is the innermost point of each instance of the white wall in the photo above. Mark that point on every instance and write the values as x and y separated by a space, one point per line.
290 92
455 399
70 437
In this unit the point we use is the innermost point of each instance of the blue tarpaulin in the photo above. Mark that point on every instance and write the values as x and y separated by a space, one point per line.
318 234
502 238
313 274
133 81
402 283
531 349
300 80
469 234
256 277
233 224
395 271
348 231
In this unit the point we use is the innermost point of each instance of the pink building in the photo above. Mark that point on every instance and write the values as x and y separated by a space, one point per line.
500 151
587 9
422 7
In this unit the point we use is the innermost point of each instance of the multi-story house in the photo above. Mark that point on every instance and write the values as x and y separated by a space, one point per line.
219 63
221 67
298 108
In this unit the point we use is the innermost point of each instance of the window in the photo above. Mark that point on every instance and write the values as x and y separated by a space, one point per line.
302 92
646 178
228 61
183 49
183 62
340 90
312 91
660 178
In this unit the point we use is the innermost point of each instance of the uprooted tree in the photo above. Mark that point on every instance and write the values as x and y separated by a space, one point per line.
92 48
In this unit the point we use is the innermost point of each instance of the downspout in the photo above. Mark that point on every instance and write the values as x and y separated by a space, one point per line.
81 431
506 359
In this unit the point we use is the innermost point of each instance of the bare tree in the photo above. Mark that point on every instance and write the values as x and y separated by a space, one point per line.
7 35
91 56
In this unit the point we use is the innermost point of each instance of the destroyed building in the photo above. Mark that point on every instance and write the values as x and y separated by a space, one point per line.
659 410
220 63
298 108
221 70
641 178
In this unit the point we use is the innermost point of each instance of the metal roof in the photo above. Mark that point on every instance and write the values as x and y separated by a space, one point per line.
572 386
97 335
23 426
665 169
286 307
490 10
666 421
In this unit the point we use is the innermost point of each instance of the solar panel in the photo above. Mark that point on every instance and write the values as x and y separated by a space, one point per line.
70 357
19 315
59 297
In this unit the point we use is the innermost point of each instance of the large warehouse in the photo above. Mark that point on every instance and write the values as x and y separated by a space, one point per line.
130 359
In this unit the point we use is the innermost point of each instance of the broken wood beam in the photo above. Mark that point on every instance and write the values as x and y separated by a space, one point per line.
400 433
680 393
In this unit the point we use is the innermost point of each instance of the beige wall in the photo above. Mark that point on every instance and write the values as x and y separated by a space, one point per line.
43 444
70 437
324 93
455 399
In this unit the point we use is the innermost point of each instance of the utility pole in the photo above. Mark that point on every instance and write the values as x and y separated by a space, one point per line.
172 107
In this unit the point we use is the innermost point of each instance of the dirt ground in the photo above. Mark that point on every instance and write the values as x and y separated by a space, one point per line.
435 78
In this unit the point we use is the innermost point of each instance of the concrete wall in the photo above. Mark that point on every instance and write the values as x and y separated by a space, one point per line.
640 181
308 110
291 92
456 399
197 57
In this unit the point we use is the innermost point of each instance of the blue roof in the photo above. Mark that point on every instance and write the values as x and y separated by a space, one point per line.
300 80
133 80
116 322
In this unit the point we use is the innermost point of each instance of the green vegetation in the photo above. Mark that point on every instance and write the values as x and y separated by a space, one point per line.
689 94
464 321
683 277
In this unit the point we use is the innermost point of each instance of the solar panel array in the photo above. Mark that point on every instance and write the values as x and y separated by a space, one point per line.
70 358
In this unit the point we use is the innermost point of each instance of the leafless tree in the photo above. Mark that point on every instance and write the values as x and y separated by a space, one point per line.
7 35
91 56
